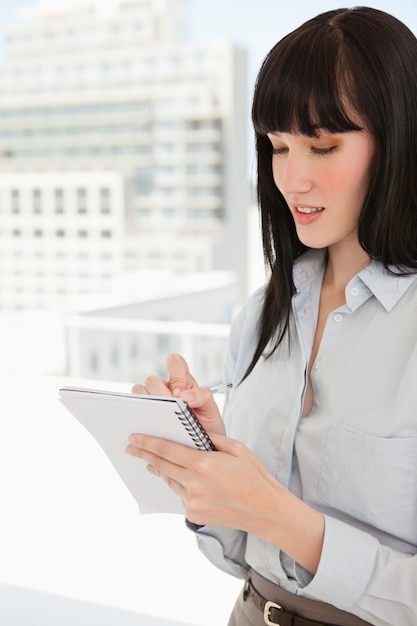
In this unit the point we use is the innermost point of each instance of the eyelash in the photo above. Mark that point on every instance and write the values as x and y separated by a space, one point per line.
318 151
323 151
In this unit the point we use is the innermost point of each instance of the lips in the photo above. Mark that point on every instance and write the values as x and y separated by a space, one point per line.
306 215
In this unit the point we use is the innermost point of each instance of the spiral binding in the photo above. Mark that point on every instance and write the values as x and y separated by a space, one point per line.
196 431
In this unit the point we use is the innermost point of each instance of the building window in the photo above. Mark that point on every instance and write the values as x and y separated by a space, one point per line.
106 234
59 200
60 233
37 201
115 357
175 62
38 232
82 200
83 233
196 191
15 201
104 200
144 181
94 361
134 353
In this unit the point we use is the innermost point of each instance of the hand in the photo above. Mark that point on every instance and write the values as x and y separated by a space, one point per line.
179 379
231 488
226 488
183 385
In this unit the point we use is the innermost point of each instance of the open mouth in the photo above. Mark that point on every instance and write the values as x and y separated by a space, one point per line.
309 210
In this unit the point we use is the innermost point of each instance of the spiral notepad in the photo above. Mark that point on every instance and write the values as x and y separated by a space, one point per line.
112 416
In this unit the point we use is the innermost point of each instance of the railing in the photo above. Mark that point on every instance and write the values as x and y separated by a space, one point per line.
202 344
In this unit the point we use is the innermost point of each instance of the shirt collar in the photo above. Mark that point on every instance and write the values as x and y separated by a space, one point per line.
387 287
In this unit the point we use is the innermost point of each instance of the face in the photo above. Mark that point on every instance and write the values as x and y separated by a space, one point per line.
324 181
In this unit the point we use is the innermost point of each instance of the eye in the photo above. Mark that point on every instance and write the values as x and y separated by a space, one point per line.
279 150
323 151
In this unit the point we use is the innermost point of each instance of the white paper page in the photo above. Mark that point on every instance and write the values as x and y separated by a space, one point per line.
111 418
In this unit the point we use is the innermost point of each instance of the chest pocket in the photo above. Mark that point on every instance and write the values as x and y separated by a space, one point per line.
374 479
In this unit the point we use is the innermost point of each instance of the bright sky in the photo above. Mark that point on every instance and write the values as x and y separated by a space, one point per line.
254 24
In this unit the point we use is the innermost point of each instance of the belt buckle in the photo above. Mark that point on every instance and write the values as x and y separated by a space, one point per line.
267 612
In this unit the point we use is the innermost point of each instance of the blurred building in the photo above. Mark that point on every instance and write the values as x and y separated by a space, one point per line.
128 333
122 147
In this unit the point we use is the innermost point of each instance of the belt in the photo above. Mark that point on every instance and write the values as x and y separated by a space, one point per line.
274 614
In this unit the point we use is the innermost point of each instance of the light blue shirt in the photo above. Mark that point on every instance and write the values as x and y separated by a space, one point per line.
354 458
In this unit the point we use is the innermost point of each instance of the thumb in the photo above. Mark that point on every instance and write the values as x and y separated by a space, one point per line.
202 402
179 374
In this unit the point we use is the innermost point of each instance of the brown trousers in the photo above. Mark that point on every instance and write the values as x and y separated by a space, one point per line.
297 611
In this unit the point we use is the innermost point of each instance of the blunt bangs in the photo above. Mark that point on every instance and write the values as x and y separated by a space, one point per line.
303 85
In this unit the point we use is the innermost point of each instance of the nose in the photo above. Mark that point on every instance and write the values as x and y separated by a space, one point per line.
291 174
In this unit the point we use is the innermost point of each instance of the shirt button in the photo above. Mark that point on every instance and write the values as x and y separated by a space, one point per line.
338 317
354 291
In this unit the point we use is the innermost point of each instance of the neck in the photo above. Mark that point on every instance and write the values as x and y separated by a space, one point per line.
344 262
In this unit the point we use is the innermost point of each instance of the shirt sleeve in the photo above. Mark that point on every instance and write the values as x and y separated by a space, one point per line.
225 548
359 575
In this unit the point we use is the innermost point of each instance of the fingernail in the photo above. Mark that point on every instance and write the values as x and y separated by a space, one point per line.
131 438
187 396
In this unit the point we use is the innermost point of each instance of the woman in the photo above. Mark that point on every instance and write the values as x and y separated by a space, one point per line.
312 496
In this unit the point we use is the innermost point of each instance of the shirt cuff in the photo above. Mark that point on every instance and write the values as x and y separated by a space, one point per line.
347 563
225 548
192 526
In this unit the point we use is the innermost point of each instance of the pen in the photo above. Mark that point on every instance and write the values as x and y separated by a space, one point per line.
221 388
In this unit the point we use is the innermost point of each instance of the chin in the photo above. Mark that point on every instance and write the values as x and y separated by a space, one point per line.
314 242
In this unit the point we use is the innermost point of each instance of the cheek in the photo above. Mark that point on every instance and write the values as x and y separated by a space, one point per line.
350 181
359 186
356 172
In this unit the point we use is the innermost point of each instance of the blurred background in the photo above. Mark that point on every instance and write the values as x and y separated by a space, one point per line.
128 226
128 230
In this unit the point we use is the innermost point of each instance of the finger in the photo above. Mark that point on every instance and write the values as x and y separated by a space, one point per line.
201 398
179 374
156 386
202 401
153 449
172 473
140 389
153 470
153 386
175 486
